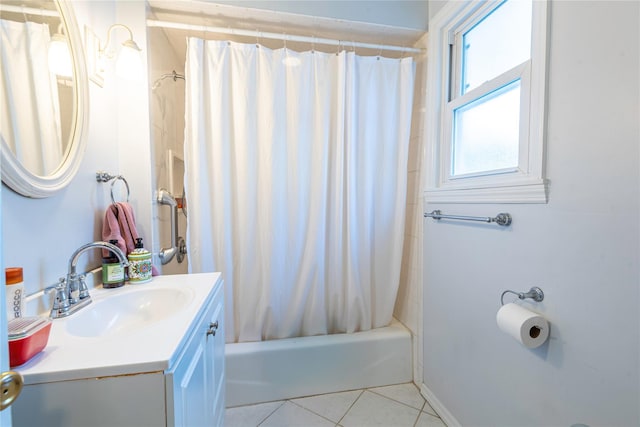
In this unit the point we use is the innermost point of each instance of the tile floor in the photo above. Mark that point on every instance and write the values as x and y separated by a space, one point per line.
392 406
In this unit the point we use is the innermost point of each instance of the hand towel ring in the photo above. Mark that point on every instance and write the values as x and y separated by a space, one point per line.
119 177
106 177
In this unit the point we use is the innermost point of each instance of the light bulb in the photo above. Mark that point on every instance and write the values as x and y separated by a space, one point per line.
129 62
59 56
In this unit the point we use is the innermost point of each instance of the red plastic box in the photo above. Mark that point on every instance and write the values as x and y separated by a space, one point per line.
28 336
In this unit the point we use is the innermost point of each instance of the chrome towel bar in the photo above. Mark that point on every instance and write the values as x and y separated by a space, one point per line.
503 219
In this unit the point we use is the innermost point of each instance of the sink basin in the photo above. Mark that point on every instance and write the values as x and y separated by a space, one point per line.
127 312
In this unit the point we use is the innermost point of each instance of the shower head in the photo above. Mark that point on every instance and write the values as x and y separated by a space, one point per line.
173 75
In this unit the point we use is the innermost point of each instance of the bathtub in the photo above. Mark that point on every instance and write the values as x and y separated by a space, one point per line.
295 367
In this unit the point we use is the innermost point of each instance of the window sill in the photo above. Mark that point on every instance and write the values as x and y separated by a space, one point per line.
531 191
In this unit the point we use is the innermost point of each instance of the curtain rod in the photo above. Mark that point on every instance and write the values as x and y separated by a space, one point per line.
278 36
26 10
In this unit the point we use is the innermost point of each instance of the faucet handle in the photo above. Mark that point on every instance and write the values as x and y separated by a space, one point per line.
52 288
61 301
73 288
84 291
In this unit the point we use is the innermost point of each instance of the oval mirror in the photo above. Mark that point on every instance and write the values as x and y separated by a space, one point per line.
43 96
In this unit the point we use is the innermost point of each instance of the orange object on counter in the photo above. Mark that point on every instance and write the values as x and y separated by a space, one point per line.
28 336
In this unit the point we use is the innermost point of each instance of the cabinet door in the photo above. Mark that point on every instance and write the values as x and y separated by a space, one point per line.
197 382
125 401
215 360
189 388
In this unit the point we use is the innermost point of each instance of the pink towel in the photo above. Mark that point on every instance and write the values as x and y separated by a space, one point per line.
120 224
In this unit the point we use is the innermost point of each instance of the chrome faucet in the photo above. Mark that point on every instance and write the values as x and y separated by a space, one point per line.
71 292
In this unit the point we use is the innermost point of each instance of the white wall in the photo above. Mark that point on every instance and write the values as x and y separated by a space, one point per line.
582 249
41 234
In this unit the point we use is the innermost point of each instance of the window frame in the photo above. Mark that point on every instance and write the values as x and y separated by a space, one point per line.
525 183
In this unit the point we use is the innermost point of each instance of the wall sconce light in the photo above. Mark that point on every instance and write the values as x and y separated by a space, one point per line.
59 55
127 56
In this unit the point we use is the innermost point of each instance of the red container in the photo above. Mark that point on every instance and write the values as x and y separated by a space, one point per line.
28 336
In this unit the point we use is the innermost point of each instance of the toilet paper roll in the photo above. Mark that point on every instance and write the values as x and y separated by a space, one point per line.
529 328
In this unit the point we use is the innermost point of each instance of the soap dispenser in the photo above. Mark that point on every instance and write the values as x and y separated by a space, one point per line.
139 264
112 270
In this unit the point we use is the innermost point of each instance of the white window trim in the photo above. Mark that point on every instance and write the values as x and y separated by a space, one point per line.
527 184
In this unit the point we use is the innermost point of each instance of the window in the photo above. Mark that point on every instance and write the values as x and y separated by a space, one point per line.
486 109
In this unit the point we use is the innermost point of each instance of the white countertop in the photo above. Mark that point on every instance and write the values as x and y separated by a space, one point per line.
151 348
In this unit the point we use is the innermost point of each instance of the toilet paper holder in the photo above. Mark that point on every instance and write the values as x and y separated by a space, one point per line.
534 293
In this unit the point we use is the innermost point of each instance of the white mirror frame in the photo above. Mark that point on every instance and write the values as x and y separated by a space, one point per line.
14 174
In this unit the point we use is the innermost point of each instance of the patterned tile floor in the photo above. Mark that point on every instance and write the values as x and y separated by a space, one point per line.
392 406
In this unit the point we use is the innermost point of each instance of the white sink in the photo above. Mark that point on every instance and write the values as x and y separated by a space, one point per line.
127 312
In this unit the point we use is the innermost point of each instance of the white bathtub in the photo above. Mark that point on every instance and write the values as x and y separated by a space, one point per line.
295 367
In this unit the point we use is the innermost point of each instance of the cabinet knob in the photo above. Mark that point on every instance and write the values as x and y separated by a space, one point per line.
213 327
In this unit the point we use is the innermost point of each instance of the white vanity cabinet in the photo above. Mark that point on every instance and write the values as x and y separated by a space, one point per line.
195 385
171 375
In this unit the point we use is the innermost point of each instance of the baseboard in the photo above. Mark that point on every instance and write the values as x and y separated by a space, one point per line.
440 409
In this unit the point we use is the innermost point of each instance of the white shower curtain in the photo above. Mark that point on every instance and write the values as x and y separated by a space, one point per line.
296 180
30 118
